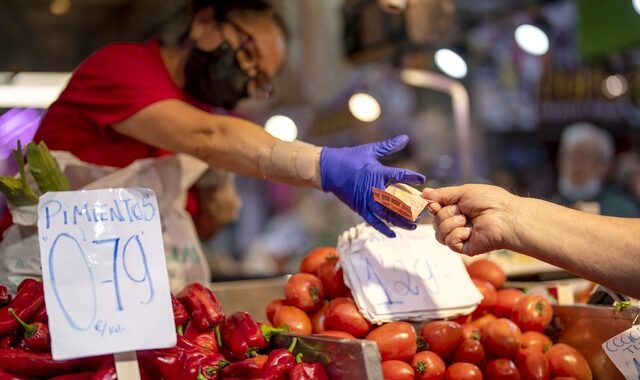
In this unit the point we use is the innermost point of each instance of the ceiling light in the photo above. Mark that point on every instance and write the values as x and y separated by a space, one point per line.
532 39
59 7
364 107
281 127
614 86
451 63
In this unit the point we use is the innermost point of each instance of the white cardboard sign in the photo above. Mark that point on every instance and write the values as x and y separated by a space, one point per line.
624 351
104 272
410 277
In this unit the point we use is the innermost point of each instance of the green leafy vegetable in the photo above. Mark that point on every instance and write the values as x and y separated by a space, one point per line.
17 190
621 305
45 170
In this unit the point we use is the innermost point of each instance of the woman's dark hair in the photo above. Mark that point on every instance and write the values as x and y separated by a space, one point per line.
177 30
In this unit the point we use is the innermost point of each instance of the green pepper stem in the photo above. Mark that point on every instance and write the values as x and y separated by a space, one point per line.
28 329
299 358
216 329
293 344
179 330
269 331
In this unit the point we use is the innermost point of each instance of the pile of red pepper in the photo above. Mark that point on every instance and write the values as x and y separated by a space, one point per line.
210 345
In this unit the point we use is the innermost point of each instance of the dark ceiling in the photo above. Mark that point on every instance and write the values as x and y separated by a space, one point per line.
33 39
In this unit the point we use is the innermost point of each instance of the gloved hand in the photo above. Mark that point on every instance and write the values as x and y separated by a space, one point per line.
350 173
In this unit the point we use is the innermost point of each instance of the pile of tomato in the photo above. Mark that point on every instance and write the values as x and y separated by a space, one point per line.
503 339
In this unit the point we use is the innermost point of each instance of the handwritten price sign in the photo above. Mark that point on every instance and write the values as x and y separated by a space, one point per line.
105 278
410 277
624 351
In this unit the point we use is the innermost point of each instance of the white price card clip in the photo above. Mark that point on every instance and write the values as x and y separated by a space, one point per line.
624 351
104 275
402 199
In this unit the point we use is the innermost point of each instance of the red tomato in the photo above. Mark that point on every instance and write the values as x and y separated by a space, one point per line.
480 322
532 365
296 319
397 370
317 319
343 315
442 337
337 334
501 338
489 297
332 279
506 301
532 313
316 257
501 369
470 351
427 365
272 307
487 270
463 319
304 291
395 340
564 378
565 360
536 341
471 331
463 371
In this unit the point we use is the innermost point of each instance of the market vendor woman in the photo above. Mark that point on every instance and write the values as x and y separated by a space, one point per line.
129 101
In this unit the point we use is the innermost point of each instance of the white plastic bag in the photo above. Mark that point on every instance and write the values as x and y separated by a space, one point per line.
169 177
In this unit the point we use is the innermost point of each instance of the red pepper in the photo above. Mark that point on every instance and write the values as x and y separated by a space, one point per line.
205 339
279 363
25 282
210 367
307 371
41 364
185 361
248 368
244 337
9 376
41 316
9 340
180 315
202 304
28 300
36 335
74 376
107 371
5 297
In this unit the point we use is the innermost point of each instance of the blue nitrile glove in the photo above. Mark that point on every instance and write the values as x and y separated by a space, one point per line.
350 173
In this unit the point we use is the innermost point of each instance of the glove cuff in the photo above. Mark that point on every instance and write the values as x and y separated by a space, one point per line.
292 160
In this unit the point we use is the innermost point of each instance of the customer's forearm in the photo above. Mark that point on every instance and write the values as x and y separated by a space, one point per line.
603 249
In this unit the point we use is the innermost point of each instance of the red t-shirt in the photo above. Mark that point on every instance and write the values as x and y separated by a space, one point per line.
109 86
112 84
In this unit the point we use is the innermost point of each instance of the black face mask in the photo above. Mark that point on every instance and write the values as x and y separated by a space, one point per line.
215 77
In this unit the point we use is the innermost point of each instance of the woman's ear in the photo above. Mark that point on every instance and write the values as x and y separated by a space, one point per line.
202 20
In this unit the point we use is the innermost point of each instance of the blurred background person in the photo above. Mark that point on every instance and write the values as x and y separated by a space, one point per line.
586 154
627 174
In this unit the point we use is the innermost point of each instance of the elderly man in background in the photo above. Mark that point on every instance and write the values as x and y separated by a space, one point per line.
627 174
586 153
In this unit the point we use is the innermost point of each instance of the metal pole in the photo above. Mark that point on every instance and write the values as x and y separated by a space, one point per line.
461 113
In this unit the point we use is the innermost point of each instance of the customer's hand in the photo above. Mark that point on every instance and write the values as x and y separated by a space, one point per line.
473 219
350 173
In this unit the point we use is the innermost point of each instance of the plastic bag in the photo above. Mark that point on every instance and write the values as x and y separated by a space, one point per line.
169 177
